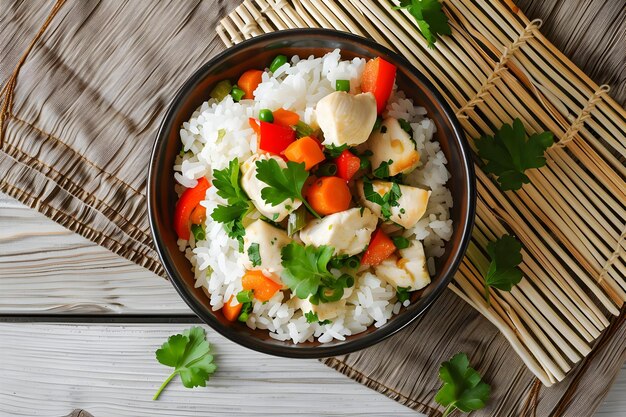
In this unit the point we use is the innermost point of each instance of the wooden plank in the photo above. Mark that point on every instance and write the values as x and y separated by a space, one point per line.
111 371
45 268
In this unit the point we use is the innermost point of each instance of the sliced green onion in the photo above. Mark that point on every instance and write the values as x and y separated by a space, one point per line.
296 221
221 90
400 242
406 126
246 309
377 123
245 296
330 294
198 232
278 62
345 281
303 129
265 115
353 262
327 170
402 293
237 93
342 85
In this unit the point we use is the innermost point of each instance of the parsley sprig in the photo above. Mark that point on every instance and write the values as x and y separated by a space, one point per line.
462 387
188 353
387 201
503 272
283 183
307 273
239 205
430 18
509 154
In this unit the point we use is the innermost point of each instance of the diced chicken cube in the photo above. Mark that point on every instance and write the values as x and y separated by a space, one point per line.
346 119
348 231
270 240
407 271
411 203
392 143
253 186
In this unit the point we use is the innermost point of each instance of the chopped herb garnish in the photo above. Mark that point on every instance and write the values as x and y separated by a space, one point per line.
406 126
311 317
379 121
383 169
509 154
334 151
387 201
246 309
254 254
403 294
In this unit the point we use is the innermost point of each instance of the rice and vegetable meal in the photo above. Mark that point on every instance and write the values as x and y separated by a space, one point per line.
313 197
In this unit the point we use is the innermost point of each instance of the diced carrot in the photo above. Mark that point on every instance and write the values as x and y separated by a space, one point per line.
328 195
231 312
285 117
263 287
198 215
380 248
305 150
249 81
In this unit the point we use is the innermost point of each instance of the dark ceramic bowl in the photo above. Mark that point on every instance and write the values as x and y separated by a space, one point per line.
258 53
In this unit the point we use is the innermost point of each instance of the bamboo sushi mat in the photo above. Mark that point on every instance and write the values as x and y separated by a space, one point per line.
497 66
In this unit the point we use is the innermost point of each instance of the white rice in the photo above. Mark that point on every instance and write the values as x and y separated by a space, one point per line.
219 132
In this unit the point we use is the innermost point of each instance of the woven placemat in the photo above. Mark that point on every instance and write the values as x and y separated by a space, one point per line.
85 84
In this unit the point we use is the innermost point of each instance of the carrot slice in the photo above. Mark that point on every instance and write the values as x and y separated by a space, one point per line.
198 215
231 312
380 248
249 81
328 195
263 287
305 150
285 117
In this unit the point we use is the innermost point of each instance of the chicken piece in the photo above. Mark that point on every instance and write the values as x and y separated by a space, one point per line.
407 271
270 240
348 231
411 203
346 119
253 186
392 143
324 311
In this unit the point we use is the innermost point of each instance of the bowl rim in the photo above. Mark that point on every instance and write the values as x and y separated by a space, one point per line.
320 351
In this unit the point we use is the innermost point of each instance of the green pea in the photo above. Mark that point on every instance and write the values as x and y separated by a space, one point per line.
265 115
278 62
237 93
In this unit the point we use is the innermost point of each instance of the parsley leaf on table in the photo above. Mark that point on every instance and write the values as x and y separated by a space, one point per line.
284 183
462 386
188 353
509 154
503 272
227 183
430 18
305 267
387 201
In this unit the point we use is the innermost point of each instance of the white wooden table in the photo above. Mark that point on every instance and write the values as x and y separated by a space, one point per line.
108 368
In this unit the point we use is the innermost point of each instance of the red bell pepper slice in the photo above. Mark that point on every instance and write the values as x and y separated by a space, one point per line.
378 78
347 165
380 248
275 138
185 206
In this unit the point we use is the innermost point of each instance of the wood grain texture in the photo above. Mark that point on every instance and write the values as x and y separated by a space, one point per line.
591 32
104 361
110 371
